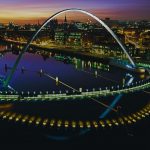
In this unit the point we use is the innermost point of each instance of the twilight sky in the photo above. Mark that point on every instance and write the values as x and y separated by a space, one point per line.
21 11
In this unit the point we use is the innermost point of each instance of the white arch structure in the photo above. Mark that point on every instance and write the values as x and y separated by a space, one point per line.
5 84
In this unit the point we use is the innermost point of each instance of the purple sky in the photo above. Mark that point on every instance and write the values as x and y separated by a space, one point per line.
29 10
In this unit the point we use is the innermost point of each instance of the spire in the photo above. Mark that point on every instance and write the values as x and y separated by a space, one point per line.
65 21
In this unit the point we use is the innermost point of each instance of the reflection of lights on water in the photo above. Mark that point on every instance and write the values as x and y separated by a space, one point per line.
6 106
142 76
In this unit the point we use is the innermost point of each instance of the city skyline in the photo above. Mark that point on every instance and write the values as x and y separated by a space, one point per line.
21 11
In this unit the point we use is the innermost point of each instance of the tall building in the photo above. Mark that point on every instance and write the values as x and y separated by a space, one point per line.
11 26
65 20
65 30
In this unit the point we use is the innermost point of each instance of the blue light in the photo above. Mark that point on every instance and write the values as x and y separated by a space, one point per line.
117 98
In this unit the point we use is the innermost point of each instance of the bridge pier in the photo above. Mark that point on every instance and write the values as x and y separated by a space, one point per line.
41 72
57 81
96 74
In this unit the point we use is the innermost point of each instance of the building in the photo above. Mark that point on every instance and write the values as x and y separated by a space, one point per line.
67 36
2 26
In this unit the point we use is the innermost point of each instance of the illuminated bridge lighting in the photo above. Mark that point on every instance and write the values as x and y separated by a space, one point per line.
89 94
104 123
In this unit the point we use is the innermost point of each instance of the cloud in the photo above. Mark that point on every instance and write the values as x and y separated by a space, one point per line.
39 9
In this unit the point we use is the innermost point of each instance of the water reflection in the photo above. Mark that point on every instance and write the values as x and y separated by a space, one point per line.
74 71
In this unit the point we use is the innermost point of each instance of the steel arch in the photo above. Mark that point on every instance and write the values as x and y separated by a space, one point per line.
8 78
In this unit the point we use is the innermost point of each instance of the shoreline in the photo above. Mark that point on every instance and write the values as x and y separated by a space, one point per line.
65 51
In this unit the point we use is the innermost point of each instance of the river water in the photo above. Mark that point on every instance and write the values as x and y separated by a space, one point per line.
73 71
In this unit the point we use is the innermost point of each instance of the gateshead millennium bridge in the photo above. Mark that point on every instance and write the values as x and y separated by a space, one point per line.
8 94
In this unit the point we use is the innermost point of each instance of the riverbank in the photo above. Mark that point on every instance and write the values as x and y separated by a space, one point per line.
63 50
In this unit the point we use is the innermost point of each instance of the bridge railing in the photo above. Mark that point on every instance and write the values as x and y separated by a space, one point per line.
137 86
